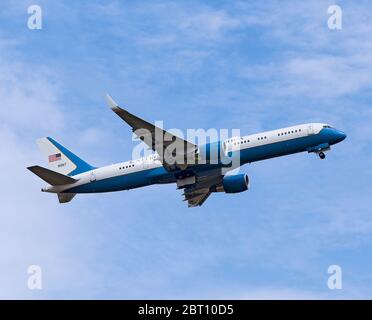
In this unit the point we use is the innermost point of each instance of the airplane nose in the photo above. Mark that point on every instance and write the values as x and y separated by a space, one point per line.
339 135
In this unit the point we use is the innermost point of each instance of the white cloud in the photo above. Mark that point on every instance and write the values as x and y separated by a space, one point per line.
320 63
208 25
31 231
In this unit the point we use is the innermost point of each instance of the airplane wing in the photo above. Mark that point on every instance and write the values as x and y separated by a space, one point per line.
197 193
159 140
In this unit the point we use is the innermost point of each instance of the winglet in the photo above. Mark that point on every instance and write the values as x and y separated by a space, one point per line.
113 105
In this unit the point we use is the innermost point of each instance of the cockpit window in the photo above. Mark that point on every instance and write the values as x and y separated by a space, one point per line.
327 126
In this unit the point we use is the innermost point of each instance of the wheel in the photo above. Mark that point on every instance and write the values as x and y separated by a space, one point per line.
321 155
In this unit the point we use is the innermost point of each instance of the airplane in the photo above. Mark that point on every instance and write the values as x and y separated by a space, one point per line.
69 175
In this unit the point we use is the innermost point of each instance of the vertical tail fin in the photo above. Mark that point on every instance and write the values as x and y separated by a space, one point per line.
61 159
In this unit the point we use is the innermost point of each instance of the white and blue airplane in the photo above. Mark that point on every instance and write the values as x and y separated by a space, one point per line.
69 175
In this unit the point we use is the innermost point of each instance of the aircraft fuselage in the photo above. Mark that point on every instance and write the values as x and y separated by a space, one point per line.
312 137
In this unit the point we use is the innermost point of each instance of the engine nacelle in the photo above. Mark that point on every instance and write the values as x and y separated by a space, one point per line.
235 183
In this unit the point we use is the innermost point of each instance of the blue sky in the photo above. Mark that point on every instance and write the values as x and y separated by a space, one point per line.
251 65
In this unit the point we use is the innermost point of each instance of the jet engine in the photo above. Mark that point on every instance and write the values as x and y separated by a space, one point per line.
233 184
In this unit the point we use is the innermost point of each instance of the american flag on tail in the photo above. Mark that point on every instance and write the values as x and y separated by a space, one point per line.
54 157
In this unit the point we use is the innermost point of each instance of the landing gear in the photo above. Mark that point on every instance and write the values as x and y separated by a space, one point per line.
320 149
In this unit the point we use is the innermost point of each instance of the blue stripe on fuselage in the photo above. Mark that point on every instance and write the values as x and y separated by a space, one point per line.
126 181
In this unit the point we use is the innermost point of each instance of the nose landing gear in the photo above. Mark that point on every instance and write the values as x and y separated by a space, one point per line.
320 149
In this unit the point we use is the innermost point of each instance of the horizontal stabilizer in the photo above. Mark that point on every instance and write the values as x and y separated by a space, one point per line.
52 177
